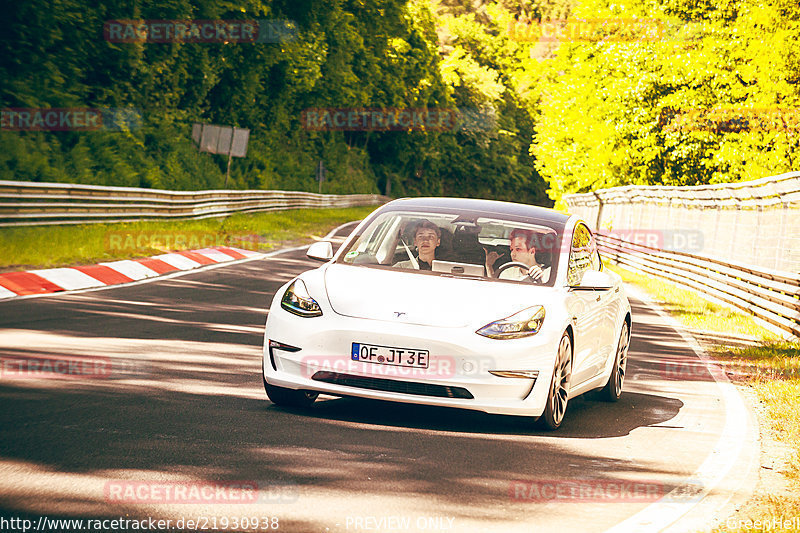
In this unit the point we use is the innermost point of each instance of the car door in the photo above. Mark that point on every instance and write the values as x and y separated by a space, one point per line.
587 307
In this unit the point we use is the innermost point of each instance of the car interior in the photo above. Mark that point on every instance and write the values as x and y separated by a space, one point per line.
462 249
460 246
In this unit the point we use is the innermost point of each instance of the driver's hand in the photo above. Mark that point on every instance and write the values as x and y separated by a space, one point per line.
491 257
535 273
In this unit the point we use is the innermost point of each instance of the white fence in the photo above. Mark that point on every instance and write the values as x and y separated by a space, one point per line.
738 243
29 204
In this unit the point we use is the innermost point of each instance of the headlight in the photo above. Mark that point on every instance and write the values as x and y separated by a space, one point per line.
297 301
523 324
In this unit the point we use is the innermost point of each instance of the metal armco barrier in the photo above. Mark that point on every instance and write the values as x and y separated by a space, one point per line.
746 239
752 222
770 295
33 204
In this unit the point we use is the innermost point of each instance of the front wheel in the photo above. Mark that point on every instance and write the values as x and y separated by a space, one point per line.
558 396
288 397
613 389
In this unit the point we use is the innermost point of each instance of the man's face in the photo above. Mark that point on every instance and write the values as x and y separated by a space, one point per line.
520 252
426 241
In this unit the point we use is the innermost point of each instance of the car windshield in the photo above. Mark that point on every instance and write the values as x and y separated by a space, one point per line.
458 243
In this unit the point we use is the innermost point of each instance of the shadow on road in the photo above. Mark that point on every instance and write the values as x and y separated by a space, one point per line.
586 418
191 406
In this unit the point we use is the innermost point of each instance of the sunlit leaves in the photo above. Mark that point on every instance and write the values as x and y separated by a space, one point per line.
710 101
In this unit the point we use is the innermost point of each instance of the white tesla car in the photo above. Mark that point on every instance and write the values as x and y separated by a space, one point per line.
476 304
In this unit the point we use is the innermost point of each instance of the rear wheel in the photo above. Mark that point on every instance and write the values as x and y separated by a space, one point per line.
613 389
288 397
558 396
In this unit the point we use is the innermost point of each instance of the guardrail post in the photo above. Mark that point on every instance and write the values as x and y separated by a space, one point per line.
714 236
731 235
756 237
782 240
669 212
599 210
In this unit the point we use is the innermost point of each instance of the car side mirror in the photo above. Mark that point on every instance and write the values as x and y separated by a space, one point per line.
593 279
321 251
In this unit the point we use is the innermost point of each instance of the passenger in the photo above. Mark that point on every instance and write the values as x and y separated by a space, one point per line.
427 237
523 250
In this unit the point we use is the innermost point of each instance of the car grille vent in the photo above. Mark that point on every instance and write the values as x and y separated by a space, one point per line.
390 385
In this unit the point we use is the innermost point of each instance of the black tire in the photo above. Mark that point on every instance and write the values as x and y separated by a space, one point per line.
613 389
288 397
558 394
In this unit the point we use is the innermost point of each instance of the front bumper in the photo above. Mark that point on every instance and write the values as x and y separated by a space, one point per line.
459 360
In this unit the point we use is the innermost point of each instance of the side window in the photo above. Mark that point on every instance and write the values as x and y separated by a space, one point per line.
583 255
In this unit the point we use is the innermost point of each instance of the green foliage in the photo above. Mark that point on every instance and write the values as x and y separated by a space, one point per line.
488 74
712 98
346 54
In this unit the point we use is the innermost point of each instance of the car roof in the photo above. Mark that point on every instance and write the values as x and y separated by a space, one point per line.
540 214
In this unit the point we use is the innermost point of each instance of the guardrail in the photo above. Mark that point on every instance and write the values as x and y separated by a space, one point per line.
32 204
753 222
770 295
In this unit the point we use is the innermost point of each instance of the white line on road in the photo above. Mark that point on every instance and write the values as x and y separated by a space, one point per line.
727 474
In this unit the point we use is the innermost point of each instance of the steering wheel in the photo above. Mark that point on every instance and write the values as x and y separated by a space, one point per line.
519 264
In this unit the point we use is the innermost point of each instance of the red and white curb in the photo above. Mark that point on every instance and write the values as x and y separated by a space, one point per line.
33 282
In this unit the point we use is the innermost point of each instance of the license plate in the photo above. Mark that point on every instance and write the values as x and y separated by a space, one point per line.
389 355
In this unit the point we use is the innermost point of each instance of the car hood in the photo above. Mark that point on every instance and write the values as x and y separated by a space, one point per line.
414 298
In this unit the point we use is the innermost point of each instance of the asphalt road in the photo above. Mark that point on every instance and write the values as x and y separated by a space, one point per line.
183 404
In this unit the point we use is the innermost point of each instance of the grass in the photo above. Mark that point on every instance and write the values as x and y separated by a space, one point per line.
24 248
771 369
693 311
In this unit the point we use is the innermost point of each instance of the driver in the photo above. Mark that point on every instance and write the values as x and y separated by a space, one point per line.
523 250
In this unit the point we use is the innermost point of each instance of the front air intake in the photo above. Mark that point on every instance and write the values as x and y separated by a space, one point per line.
390 385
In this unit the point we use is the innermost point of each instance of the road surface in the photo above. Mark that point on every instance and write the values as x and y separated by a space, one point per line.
183 406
